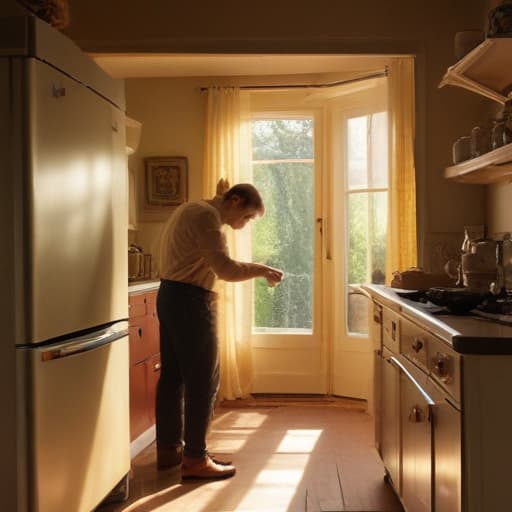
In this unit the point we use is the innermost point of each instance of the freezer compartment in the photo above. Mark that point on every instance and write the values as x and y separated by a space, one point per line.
74 408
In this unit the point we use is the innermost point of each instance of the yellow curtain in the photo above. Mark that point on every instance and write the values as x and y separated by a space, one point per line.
224 157
401 242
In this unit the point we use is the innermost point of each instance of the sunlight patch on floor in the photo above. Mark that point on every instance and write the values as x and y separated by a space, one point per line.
276 483
230 441
299 441
245 420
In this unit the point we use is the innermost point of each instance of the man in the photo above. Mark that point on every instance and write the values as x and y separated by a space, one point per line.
193 254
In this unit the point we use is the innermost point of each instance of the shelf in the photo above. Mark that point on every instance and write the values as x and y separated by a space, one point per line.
485 70
492 167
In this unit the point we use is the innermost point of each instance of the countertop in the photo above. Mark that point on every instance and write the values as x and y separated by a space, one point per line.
143 286
468 334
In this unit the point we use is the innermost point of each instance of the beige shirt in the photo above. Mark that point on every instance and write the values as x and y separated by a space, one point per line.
194 249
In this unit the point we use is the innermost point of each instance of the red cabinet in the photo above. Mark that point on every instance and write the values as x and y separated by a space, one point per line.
144 361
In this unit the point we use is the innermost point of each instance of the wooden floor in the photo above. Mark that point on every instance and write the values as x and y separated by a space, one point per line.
300 456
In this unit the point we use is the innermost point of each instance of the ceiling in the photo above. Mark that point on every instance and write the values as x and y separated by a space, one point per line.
189 65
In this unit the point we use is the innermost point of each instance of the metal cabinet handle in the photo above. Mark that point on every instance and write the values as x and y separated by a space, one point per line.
416 414
157 366
417 345
139 332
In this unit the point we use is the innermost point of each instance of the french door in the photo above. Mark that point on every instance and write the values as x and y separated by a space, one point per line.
288 350
359 198
323 175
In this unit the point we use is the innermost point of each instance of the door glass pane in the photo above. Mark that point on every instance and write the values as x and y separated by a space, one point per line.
367 150
284 236
357 151
367 222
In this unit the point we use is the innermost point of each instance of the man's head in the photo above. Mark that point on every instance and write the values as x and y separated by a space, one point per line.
241 203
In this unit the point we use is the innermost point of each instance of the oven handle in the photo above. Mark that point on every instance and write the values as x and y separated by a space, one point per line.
395 362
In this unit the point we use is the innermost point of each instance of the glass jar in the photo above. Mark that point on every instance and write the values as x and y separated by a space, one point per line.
507 128
498 133
480 141
461 149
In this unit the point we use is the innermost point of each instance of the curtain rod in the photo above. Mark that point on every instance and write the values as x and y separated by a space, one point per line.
311 86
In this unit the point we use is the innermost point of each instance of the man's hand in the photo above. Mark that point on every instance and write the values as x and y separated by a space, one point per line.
273 275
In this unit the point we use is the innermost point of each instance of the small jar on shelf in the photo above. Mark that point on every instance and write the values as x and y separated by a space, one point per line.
480 141
507 122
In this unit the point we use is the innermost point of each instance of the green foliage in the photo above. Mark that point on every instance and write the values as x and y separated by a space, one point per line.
283 238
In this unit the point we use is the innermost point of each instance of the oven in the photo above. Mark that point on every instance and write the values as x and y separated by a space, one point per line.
418 427
430 421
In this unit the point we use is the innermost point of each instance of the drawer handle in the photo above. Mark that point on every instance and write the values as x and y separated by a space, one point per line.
417 345
139 332
157 367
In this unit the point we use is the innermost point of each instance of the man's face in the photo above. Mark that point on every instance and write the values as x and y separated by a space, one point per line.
241 216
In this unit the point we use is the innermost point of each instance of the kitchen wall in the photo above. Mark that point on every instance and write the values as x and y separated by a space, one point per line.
498 197
172 112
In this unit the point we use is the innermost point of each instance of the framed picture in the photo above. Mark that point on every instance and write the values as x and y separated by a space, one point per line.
166 181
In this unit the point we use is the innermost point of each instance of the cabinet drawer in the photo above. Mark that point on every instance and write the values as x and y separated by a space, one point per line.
137 305
414 342
390 330
137 340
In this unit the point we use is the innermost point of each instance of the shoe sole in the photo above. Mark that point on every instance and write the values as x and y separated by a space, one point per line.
209 477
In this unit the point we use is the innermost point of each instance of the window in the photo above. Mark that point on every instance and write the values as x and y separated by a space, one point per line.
366 200
283 171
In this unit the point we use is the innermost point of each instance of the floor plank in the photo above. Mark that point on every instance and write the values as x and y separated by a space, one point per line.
290 457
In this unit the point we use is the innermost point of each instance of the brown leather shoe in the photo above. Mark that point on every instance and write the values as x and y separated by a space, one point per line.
168 456
204 468
219 461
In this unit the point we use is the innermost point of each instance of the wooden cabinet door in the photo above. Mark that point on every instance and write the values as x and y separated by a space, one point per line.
390 421
153 374
139 419
152 325
137 327
144 361
417 447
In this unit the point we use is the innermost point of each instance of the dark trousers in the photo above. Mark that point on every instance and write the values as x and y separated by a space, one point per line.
189 376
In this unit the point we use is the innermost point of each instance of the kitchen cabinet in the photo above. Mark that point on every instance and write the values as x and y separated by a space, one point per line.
487 71
442 428
144 361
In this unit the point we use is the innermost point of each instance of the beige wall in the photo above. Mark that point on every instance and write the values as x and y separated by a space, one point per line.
423 28
498 197
172 115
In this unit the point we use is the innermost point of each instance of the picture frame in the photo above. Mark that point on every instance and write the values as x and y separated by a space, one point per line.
166 182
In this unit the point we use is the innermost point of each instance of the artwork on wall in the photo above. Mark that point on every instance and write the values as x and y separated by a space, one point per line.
166 185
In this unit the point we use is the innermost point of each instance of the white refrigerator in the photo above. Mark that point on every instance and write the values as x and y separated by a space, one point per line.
63 272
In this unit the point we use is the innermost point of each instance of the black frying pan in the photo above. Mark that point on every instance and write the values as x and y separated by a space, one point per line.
457 300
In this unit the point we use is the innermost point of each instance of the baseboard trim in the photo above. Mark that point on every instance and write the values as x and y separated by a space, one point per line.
143 441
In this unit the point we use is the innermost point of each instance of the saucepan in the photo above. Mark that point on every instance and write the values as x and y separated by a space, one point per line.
457 300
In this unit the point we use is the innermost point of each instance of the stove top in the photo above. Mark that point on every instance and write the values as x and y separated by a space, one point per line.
495 308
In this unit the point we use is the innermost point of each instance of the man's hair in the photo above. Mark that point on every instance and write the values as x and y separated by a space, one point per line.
249 196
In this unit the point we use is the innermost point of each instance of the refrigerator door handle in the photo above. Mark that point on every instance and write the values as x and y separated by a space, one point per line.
86 342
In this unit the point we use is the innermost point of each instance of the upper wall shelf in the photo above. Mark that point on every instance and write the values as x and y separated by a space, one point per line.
485 70
489 168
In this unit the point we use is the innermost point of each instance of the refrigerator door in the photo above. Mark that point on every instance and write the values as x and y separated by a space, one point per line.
77 188
75 421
